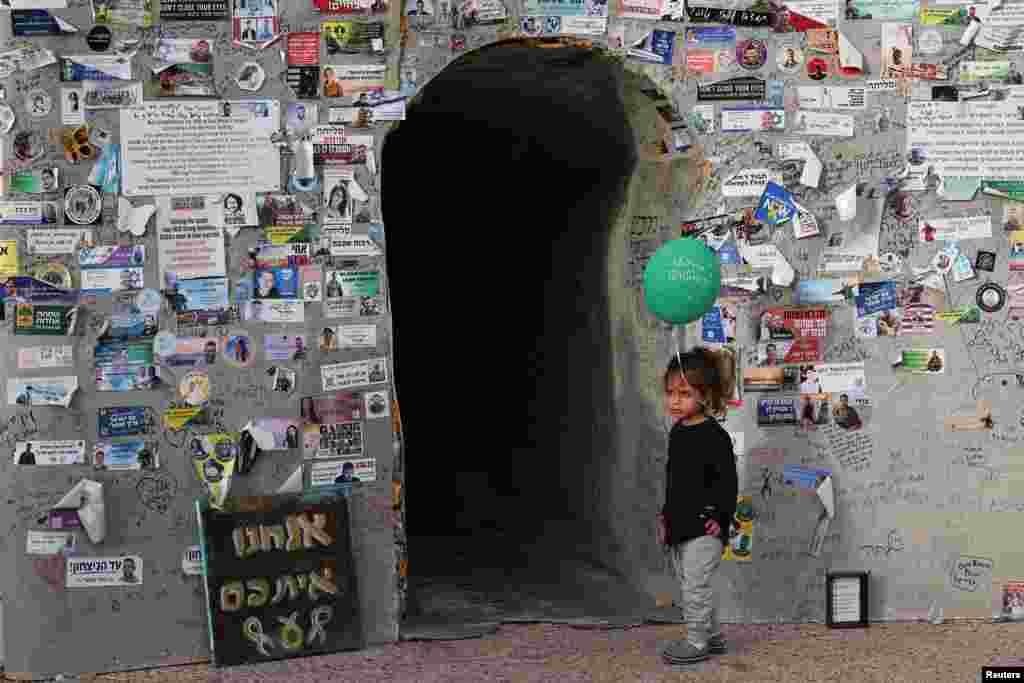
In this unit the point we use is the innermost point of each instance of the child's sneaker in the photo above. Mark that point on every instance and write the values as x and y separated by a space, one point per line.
716 645
684 652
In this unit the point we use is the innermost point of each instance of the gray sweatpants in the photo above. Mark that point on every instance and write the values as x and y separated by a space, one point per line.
695 563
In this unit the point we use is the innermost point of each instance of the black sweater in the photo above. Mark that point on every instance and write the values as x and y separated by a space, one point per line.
701 471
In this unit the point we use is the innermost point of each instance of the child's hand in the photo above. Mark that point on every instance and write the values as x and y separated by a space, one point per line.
711 528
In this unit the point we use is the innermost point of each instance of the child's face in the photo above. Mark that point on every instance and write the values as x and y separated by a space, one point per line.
682 401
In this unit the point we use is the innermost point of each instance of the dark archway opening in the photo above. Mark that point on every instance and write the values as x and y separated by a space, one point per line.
498 192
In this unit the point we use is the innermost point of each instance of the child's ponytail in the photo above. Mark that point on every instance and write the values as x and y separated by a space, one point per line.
712 373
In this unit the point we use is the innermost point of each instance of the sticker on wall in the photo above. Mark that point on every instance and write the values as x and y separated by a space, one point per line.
83 204
192 561
194 388
125 455
116 421
751 54
749 182
41 391
56 274
38 103
922 361
239 351
250 77
985 260
214 458
991 297
377 404
104 572
51 543
789 58
817 69
282 380
49 453
98 38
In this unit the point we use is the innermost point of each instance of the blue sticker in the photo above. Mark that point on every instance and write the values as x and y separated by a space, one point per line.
123 421
776 205
712 329
875 297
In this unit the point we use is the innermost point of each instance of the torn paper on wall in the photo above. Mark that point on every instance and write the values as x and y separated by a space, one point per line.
86 499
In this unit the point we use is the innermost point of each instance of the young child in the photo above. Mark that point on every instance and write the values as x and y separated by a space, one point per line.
701 490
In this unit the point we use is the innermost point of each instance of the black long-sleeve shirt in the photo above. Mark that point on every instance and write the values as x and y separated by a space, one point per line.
701 471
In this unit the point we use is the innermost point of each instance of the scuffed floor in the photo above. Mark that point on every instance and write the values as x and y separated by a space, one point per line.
883 653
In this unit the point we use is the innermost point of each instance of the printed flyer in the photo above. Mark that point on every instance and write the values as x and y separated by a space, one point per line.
354 374
119 421
42 319
58 241
103 572
208 295
773 412
303 74
134 314
274 433
125 366
49 453
274 311
286 347
341 407
876 310
332 440
347 337
107 269
188 352
125 455
27 213
182 67
41 391
51 543
922 361
36 357
342 471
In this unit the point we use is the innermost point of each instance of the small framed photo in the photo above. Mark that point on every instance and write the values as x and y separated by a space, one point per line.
846 598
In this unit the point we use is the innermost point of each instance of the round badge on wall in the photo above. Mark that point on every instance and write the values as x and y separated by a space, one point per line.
250 77
98 38
991 297
82 204
817 69
789 58
751 54
38 103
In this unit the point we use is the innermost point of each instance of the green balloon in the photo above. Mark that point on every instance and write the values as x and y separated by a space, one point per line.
682 281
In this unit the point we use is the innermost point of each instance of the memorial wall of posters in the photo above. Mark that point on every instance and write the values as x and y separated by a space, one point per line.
169 229
192 243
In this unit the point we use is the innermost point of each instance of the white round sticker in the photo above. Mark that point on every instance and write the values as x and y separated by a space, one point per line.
82 204
38 102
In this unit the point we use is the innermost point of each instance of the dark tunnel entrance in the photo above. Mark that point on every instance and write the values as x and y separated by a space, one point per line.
499 191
